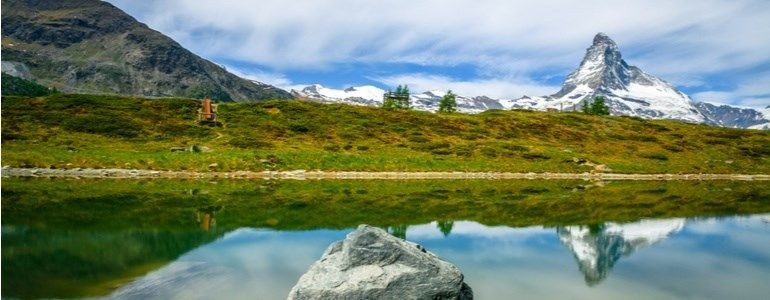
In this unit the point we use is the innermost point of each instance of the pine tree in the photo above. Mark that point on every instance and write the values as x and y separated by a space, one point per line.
403 102
448 103
388 102
586 108
598 107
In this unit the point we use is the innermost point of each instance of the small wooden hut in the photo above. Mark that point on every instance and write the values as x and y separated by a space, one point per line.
208 111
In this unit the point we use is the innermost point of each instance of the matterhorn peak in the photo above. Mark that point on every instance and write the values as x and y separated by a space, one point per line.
602 38
627 90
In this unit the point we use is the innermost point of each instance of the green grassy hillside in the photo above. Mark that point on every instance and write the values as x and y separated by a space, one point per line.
67 131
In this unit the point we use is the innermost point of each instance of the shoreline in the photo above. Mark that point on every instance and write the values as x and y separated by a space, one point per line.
361 175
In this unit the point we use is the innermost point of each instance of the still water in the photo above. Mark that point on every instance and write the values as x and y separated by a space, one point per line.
252 240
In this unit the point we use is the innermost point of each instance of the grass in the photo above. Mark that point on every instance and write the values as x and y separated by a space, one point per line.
65 131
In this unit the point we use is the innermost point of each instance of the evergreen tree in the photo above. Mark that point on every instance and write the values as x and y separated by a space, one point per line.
445 227
448 103
598 107
398 99
388 102
586 108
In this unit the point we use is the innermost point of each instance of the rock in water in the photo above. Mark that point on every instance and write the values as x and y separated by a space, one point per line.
372 264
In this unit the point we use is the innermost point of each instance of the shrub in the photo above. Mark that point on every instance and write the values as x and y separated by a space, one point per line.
533 156
332 147
418 139
299 128
489 152
728 134
362 147
13 85
113 126
514 147
435 145
656 156
441 151
673 148
754 151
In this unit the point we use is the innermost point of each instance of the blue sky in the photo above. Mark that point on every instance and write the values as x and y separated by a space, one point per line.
716 51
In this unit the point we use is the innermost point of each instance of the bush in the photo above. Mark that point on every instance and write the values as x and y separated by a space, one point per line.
418 139
754 151
533 156
435 145
489 152
299 128
362 147
113 126
514 147
13 85
332 147
656 156
442 151
673 148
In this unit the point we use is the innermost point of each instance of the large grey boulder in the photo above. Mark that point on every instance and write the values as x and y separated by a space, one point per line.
372 264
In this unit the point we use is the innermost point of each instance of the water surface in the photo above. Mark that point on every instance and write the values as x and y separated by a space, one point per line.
253 239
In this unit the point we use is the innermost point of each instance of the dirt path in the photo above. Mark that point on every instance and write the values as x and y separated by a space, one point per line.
302 175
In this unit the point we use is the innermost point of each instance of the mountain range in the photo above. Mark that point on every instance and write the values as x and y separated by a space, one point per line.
90 46
627 90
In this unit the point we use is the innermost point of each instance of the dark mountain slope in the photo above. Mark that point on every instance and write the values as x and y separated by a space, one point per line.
90 46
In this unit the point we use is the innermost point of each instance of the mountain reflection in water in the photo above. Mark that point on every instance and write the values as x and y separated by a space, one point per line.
598 247
499 260
253 239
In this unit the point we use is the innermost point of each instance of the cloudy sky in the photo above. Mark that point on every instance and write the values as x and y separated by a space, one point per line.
716 51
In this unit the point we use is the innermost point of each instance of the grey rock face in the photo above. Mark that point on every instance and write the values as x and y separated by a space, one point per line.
729 116
91 46
372 264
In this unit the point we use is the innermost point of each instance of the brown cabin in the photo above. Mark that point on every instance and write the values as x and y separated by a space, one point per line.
208 111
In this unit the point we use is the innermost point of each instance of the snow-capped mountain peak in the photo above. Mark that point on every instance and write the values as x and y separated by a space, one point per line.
603 72
627 89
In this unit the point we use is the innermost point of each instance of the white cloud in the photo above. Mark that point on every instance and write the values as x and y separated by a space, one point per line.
271 78
510 37
507 42
754 91
495 88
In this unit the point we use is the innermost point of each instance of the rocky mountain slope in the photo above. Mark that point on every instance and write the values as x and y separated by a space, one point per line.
731 116
90 46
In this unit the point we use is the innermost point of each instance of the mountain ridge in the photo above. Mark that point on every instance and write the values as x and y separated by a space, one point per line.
627 91
90 46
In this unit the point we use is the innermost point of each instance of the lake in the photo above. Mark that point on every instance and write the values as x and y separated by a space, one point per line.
239 239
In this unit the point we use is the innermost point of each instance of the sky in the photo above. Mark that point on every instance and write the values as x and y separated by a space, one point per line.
715 51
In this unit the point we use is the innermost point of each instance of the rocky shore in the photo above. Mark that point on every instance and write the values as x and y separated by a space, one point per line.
308 175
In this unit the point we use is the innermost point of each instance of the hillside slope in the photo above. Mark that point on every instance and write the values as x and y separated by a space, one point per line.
67 131
90 46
